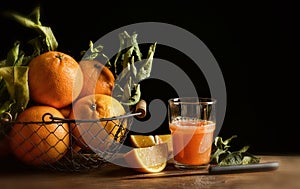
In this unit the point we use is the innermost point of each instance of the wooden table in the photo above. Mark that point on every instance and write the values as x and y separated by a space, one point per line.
112 176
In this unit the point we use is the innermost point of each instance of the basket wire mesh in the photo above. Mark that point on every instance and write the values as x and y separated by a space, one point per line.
75 160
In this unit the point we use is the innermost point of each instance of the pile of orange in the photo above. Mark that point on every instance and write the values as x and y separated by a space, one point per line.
65 88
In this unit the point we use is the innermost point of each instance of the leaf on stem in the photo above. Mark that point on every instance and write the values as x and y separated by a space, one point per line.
15 78
221 154
134 68
128 67
33 21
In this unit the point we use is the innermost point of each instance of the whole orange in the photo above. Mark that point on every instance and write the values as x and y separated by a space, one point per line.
35 143
98 79
54 79
97 135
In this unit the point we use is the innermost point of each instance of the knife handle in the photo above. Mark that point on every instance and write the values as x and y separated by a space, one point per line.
227 169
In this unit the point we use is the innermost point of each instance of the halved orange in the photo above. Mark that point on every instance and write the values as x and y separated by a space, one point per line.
148 159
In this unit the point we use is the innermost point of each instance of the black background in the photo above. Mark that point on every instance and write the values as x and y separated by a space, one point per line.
255 44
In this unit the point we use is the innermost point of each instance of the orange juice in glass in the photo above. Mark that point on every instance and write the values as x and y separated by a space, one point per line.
192 124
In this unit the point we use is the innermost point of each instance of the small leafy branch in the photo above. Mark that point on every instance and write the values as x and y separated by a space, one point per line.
128 66
221 154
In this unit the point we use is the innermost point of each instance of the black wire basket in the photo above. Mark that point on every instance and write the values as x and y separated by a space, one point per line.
106 142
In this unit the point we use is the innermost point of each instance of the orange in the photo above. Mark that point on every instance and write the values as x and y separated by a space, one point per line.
98 79
38 144
54 79
97 135
148 159
140 141
165 138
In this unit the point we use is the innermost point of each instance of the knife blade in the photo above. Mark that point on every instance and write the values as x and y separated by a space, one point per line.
209 170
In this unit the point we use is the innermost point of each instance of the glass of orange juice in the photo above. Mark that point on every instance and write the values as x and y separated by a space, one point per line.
192 122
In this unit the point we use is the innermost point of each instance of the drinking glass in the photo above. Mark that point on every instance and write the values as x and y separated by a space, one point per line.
192 122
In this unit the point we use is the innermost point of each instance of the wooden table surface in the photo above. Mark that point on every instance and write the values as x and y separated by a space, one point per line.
287 175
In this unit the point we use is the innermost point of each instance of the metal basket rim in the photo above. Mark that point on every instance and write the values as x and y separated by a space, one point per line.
54 119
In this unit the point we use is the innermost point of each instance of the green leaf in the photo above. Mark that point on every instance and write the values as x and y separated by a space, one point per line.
234 158
135 96
6 106
136 47
118 91
127 56
127 91
37 44
124 74
221 154
16 78
33 21
128 67
250 159
35 15
146 67
244 149
216 156
134 69
13 54
219 143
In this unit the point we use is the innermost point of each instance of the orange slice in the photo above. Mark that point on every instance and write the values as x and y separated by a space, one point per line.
142 141
166 138
148 159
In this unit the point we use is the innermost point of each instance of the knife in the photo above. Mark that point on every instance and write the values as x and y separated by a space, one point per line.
209 170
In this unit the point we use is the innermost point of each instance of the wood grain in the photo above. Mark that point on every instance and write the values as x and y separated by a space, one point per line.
112 176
